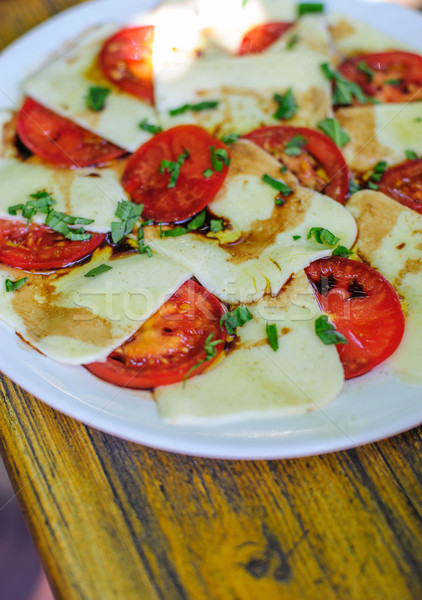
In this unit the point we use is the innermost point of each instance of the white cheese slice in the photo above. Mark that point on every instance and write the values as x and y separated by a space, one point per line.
63 84
394 247
89 193
253 381
244 87
310 31
264 254
76 319
381 132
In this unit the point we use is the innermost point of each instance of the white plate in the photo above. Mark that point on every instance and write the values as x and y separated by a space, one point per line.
373 407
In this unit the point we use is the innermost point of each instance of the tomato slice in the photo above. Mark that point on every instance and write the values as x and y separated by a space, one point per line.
404 184
320 166
144 182
260 37
396 76
126 60
36 247
169 343
363 306
61 141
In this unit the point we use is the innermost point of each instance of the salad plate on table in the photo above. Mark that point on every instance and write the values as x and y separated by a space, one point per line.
211 222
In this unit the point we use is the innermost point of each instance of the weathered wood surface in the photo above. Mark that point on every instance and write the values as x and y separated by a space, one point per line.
113 520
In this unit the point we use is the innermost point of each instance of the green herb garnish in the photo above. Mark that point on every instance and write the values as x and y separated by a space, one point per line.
353 186
149 127
11 286
292 41
279 201
373 186
98 270
322 235
345 91
143 249
333 129
210 348
196 223
327 332
287 105
364 68
309 7
411 155
42 202
236 318
393 81
96 97
342 251
272 336
173 168
230 138
277 184
219 158
194 107
60 222
418 120
295 146
296 237
216 225
207 173
128 213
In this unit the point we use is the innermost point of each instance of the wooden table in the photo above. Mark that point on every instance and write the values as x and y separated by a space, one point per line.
113 520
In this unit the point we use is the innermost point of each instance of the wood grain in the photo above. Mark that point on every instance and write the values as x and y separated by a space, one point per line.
114 520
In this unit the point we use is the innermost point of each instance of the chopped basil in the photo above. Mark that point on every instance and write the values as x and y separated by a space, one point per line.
194 107
196 223
353 186
128 213
295 146
272 336
309 7
230 138
377 173
373 186
42 202
173 168
345 91
287 105
11 286
321 235
342 251
279 201
96 97
149 127
210 348
297 237
364 68
327 332
332 128
277 184
393 81
143 249
208 173
216 225
60 222
98 270
219 158
411 155
292 41
283 169
418 120
236 318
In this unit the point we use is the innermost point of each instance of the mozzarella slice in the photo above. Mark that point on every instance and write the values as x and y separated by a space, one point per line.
244 86
89 193
253 381
76 319
264 254
380 132
62 86
394 247
310 31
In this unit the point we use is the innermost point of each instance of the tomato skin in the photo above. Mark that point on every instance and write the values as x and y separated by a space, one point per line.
404 184
404 66
143 181
319 148
60 141
126 60
36 247
363 306
260 37
169 343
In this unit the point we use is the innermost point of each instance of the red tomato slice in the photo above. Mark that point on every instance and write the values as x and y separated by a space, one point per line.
363 306
397 76
193 191
126 60
35 247
404 184
61 141
320 166
169 343
261 36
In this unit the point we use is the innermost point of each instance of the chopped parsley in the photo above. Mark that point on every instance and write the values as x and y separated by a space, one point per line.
322 235
292 41
42 202
235 318
277 184
295 146
196 223
327 332
216 225
342 251
96 98
272 336
345 91
353 186
333 129
150 127
411 155
309 7
128 213
210 347
230 138
194 107
98 270
173 168
364 68
11 286
219 158
287 105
